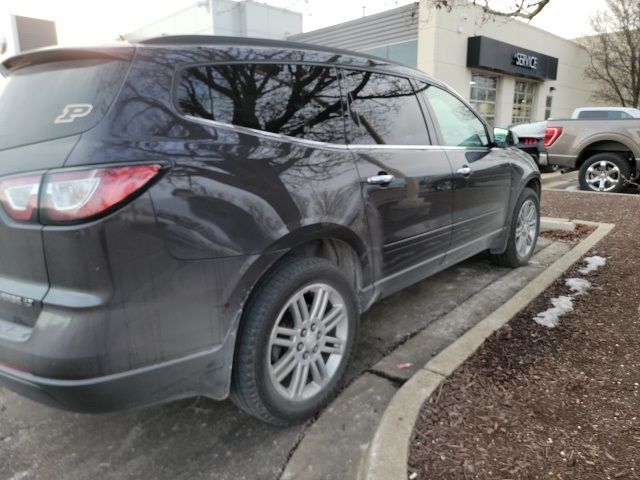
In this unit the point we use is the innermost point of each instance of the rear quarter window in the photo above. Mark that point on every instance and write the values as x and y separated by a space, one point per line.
57 99
301 101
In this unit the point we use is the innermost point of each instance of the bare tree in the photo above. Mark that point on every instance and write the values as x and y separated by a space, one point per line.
614 53
524 9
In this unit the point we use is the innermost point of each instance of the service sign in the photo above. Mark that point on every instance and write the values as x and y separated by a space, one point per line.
490 54
523 60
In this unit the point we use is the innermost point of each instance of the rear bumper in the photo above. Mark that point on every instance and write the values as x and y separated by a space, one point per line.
206 371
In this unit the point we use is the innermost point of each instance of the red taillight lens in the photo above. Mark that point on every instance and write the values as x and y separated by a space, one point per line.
81 194
19 196
70 196
551 134
529 141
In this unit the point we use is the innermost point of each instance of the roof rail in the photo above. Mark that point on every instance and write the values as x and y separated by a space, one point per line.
254 42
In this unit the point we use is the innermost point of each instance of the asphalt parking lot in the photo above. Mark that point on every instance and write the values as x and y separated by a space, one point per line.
200 438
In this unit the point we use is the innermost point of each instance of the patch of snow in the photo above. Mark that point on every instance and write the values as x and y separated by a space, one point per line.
578 286
20 475
593 264
551 317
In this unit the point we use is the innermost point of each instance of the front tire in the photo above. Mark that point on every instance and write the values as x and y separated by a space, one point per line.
296 338
604 172
523 233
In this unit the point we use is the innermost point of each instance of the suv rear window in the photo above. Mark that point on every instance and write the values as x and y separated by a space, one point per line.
57 99
301 101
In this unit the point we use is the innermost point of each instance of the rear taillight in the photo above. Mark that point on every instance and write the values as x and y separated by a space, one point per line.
529 141
69 196
551 134
19 196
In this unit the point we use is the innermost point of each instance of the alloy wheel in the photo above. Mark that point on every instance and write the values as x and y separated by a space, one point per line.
307 342
603 176
526 228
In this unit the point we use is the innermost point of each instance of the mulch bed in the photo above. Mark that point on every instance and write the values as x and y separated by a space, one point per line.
579 233
561 403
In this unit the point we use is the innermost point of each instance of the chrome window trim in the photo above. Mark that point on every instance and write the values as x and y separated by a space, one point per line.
314 143
262 133
409 147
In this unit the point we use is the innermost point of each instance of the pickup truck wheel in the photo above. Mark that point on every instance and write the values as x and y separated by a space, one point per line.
295 340
604 172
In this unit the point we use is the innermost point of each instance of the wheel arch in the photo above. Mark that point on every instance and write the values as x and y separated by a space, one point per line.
608 144
531 181
534 184
336 243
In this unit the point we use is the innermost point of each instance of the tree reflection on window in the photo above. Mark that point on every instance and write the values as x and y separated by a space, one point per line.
296 100
384 109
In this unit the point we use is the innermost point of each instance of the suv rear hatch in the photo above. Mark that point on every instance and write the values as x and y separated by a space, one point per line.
48 98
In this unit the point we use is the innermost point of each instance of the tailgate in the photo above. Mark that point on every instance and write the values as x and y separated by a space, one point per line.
47 100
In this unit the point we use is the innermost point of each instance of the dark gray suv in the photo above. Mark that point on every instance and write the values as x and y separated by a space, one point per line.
210 216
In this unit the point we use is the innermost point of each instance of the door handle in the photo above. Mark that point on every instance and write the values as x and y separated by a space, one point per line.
381 179
466 171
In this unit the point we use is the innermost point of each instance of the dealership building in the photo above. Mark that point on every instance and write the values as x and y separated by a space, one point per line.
510 71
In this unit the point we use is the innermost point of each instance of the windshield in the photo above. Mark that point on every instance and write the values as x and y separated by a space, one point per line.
56 99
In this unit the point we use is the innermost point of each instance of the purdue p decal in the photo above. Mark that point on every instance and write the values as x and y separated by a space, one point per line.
73 111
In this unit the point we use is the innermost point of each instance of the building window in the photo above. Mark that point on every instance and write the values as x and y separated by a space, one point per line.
523 98
405 52
547 107
484 90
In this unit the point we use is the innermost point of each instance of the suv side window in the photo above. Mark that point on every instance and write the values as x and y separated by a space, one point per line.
459 125
383 109
301 101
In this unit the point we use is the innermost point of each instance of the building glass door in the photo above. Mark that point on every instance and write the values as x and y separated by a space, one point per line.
523 99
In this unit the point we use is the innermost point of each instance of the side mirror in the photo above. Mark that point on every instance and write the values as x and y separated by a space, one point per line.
504 138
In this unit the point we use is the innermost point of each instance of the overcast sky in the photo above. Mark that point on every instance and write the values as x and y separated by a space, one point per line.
98 21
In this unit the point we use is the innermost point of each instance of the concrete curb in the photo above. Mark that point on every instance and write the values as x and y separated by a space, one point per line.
388 453
563 224
550 187
552 177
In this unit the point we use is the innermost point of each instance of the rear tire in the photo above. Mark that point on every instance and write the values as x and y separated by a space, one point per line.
295 341
523 232
604 172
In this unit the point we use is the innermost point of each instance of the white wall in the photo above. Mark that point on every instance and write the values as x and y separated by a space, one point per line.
442 52
7 30
265 21
230 18
192 20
